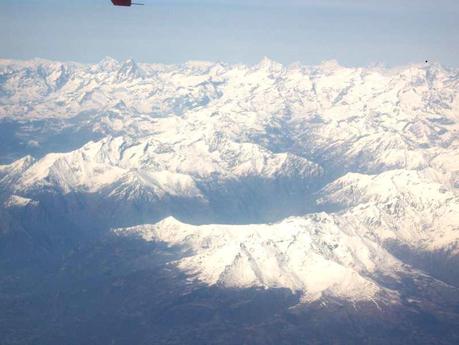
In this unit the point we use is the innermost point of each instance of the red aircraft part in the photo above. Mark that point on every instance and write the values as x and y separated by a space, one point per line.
122 2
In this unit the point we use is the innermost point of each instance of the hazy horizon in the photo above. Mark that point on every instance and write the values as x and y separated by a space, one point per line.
354 33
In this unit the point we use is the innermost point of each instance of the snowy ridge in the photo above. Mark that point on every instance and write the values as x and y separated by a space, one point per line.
311 255
399 204
153 161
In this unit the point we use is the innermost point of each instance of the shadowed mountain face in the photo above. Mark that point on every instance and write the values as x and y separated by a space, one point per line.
122 291
217 204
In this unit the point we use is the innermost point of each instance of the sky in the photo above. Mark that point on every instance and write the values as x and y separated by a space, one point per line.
353 32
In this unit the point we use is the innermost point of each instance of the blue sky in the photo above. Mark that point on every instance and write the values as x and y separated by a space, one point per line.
354 32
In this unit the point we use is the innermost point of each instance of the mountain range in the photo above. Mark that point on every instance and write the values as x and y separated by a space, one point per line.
337 185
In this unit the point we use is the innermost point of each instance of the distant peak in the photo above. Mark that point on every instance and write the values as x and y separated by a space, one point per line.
129 66
108 63
129 70
330 64
268 64
108 59
266 60
129 62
